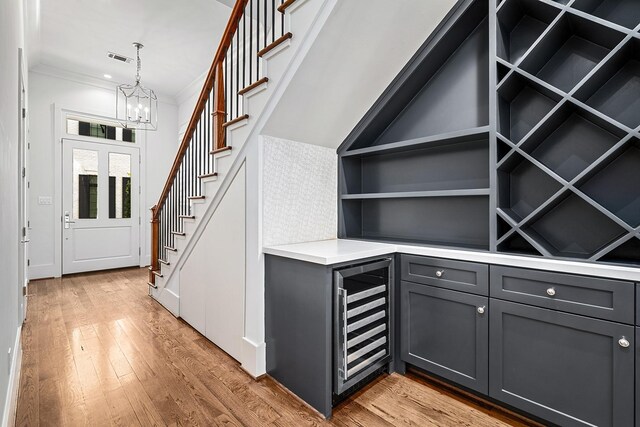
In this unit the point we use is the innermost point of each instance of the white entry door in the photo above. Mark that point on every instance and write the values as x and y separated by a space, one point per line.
100 206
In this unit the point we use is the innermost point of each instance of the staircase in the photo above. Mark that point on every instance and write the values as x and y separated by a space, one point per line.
234 95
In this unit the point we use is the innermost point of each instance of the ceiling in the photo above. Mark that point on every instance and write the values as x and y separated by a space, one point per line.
180 38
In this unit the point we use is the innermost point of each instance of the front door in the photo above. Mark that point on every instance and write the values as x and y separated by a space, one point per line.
100 206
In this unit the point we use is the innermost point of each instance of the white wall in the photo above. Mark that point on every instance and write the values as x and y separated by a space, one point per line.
186 101
53 90
362 47
11 39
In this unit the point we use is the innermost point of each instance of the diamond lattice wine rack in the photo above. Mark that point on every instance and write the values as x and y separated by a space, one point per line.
568 129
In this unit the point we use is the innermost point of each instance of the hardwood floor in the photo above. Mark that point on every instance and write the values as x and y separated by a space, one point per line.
98 351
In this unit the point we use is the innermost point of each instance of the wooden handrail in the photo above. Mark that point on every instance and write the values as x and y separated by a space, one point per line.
215 72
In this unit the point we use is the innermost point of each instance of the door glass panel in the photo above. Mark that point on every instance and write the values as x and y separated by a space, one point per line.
119 185
85 184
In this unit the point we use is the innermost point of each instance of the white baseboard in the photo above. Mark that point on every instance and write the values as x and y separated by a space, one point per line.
254 357
11 403
168 299
42 271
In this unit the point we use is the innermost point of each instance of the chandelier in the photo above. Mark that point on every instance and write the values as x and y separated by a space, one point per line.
136 105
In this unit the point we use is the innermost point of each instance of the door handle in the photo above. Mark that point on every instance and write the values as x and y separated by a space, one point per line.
67 220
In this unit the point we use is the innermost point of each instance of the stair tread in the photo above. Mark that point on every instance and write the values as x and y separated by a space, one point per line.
153 285
161 261
187 216
196 197
178 233
157 273
273 45
285 5
253 85
169 248
236 120
208 175
221 150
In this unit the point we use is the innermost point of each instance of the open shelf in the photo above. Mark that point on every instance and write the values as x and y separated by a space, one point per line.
418 194
617 185
444 88
570 140
518 245
522 104
523 187
621 12
569 51
447 221
627 253
458 90
573 228
520 23
615 89
447 138
458 166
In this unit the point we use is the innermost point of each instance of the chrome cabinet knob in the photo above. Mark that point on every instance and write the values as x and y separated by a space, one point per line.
439 273
551 292
623 342
481 310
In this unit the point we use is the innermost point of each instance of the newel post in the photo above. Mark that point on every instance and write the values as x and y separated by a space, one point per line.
155 241
219 107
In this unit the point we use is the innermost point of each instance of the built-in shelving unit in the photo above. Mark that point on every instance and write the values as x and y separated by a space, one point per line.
401 177
525 143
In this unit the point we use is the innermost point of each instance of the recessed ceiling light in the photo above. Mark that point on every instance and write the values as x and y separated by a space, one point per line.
107 76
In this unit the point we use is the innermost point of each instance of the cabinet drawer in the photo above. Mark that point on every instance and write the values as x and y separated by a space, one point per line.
567 369
443 273
588 296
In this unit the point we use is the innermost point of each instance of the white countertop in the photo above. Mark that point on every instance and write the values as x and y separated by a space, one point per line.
328 252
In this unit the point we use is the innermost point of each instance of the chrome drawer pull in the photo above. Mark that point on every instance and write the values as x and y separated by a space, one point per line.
366 307
360 366
551 292
364 322
439 273
623 342
371 332
366 349
366 294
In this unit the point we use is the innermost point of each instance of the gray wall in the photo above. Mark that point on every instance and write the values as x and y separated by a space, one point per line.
11 38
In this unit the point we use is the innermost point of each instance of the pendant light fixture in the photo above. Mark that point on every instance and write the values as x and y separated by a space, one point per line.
136 105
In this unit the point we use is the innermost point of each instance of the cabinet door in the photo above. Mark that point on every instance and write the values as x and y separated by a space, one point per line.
567 369
637 376
446 333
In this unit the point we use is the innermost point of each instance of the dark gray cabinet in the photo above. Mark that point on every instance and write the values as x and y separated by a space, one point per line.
567 369
589 296
446 332
443 273
637 376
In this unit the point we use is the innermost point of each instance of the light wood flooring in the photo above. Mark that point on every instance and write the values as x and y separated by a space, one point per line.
97 350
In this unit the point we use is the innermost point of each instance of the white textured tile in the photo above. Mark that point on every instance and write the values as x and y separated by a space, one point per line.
299 192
